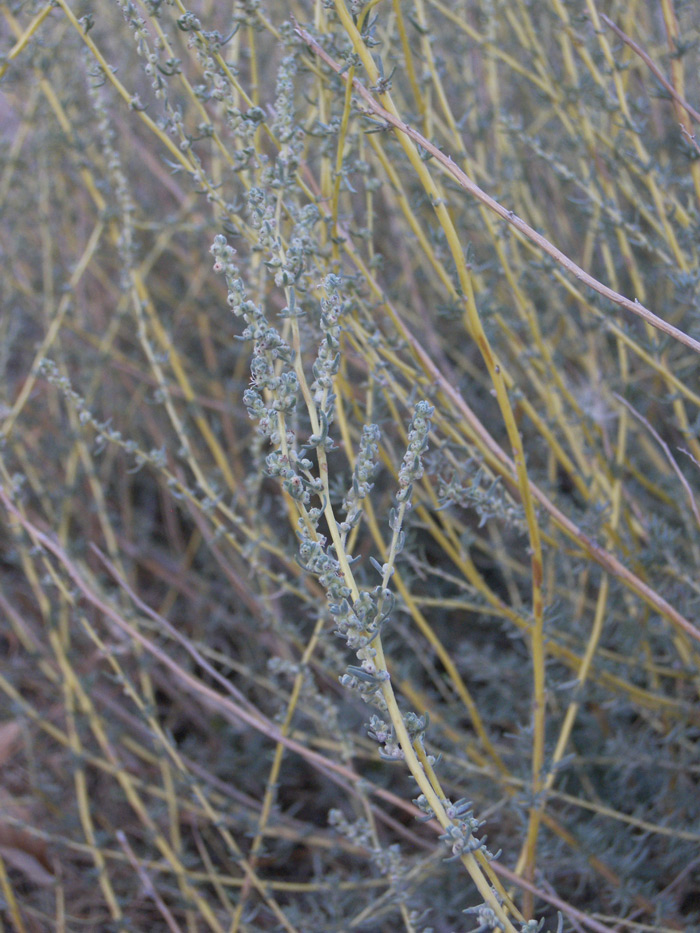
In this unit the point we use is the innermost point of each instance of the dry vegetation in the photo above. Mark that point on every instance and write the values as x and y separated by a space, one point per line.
382 535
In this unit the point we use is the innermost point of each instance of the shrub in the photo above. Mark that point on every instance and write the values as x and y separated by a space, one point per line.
381 536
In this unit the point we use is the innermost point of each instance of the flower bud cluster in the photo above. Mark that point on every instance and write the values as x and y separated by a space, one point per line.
261 213
367 682
283 465
289 271
244 125
365 467
461 841
282 387
147 49
416 726
358 832
328 359
284 125
120 188
223 260
282 667
315 557
486 917
412 466
461 834
389 862
361 622
383 732
482 493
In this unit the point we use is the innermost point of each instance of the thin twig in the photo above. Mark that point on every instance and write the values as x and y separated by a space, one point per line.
603 558
691 139
465 182
228 707
148 886
652 67
662 443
